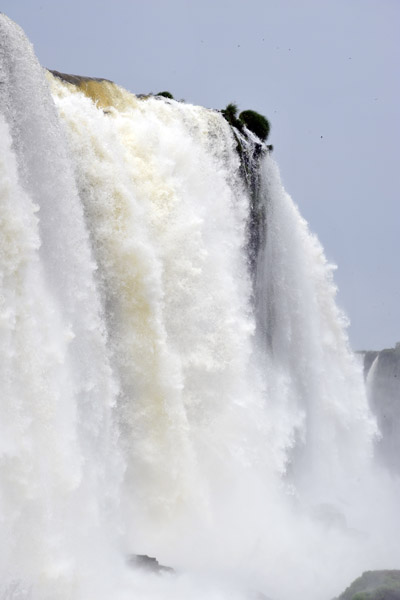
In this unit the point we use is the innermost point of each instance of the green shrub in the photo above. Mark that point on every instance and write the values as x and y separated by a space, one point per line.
374 585
256 123
230 114
166 95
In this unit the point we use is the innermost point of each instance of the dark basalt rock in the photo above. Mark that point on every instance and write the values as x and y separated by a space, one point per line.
148 563
151 564
76 79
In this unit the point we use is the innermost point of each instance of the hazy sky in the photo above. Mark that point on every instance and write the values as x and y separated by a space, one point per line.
326 74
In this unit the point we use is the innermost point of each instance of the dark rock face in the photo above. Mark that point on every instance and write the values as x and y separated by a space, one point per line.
77 80
148 563
382 371
374 585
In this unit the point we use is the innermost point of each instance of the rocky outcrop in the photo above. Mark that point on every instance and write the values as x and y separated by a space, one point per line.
148 563
77 80
103 92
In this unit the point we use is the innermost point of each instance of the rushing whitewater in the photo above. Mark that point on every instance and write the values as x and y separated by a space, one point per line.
172 383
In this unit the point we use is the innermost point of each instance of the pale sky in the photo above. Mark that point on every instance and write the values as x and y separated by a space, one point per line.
326 74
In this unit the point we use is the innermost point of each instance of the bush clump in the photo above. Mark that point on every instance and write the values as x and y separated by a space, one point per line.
230 114
256 123
166 95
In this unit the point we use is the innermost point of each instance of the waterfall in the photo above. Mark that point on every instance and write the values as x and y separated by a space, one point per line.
176 376
383 386
60 462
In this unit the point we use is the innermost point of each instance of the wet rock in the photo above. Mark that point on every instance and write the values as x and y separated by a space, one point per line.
77 80
148 563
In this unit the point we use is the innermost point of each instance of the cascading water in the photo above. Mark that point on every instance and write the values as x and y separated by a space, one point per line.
176 377
383 387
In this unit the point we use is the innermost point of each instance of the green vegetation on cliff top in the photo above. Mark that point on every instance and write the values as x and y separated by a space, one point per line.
166 95
374 585
257 123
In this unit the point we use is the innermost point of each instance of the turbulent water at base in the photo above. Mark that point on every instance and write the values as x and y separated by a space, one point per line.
171 384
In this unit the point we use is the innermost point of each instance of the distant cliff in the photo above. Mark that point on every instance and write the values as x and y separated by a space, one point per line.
382 373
